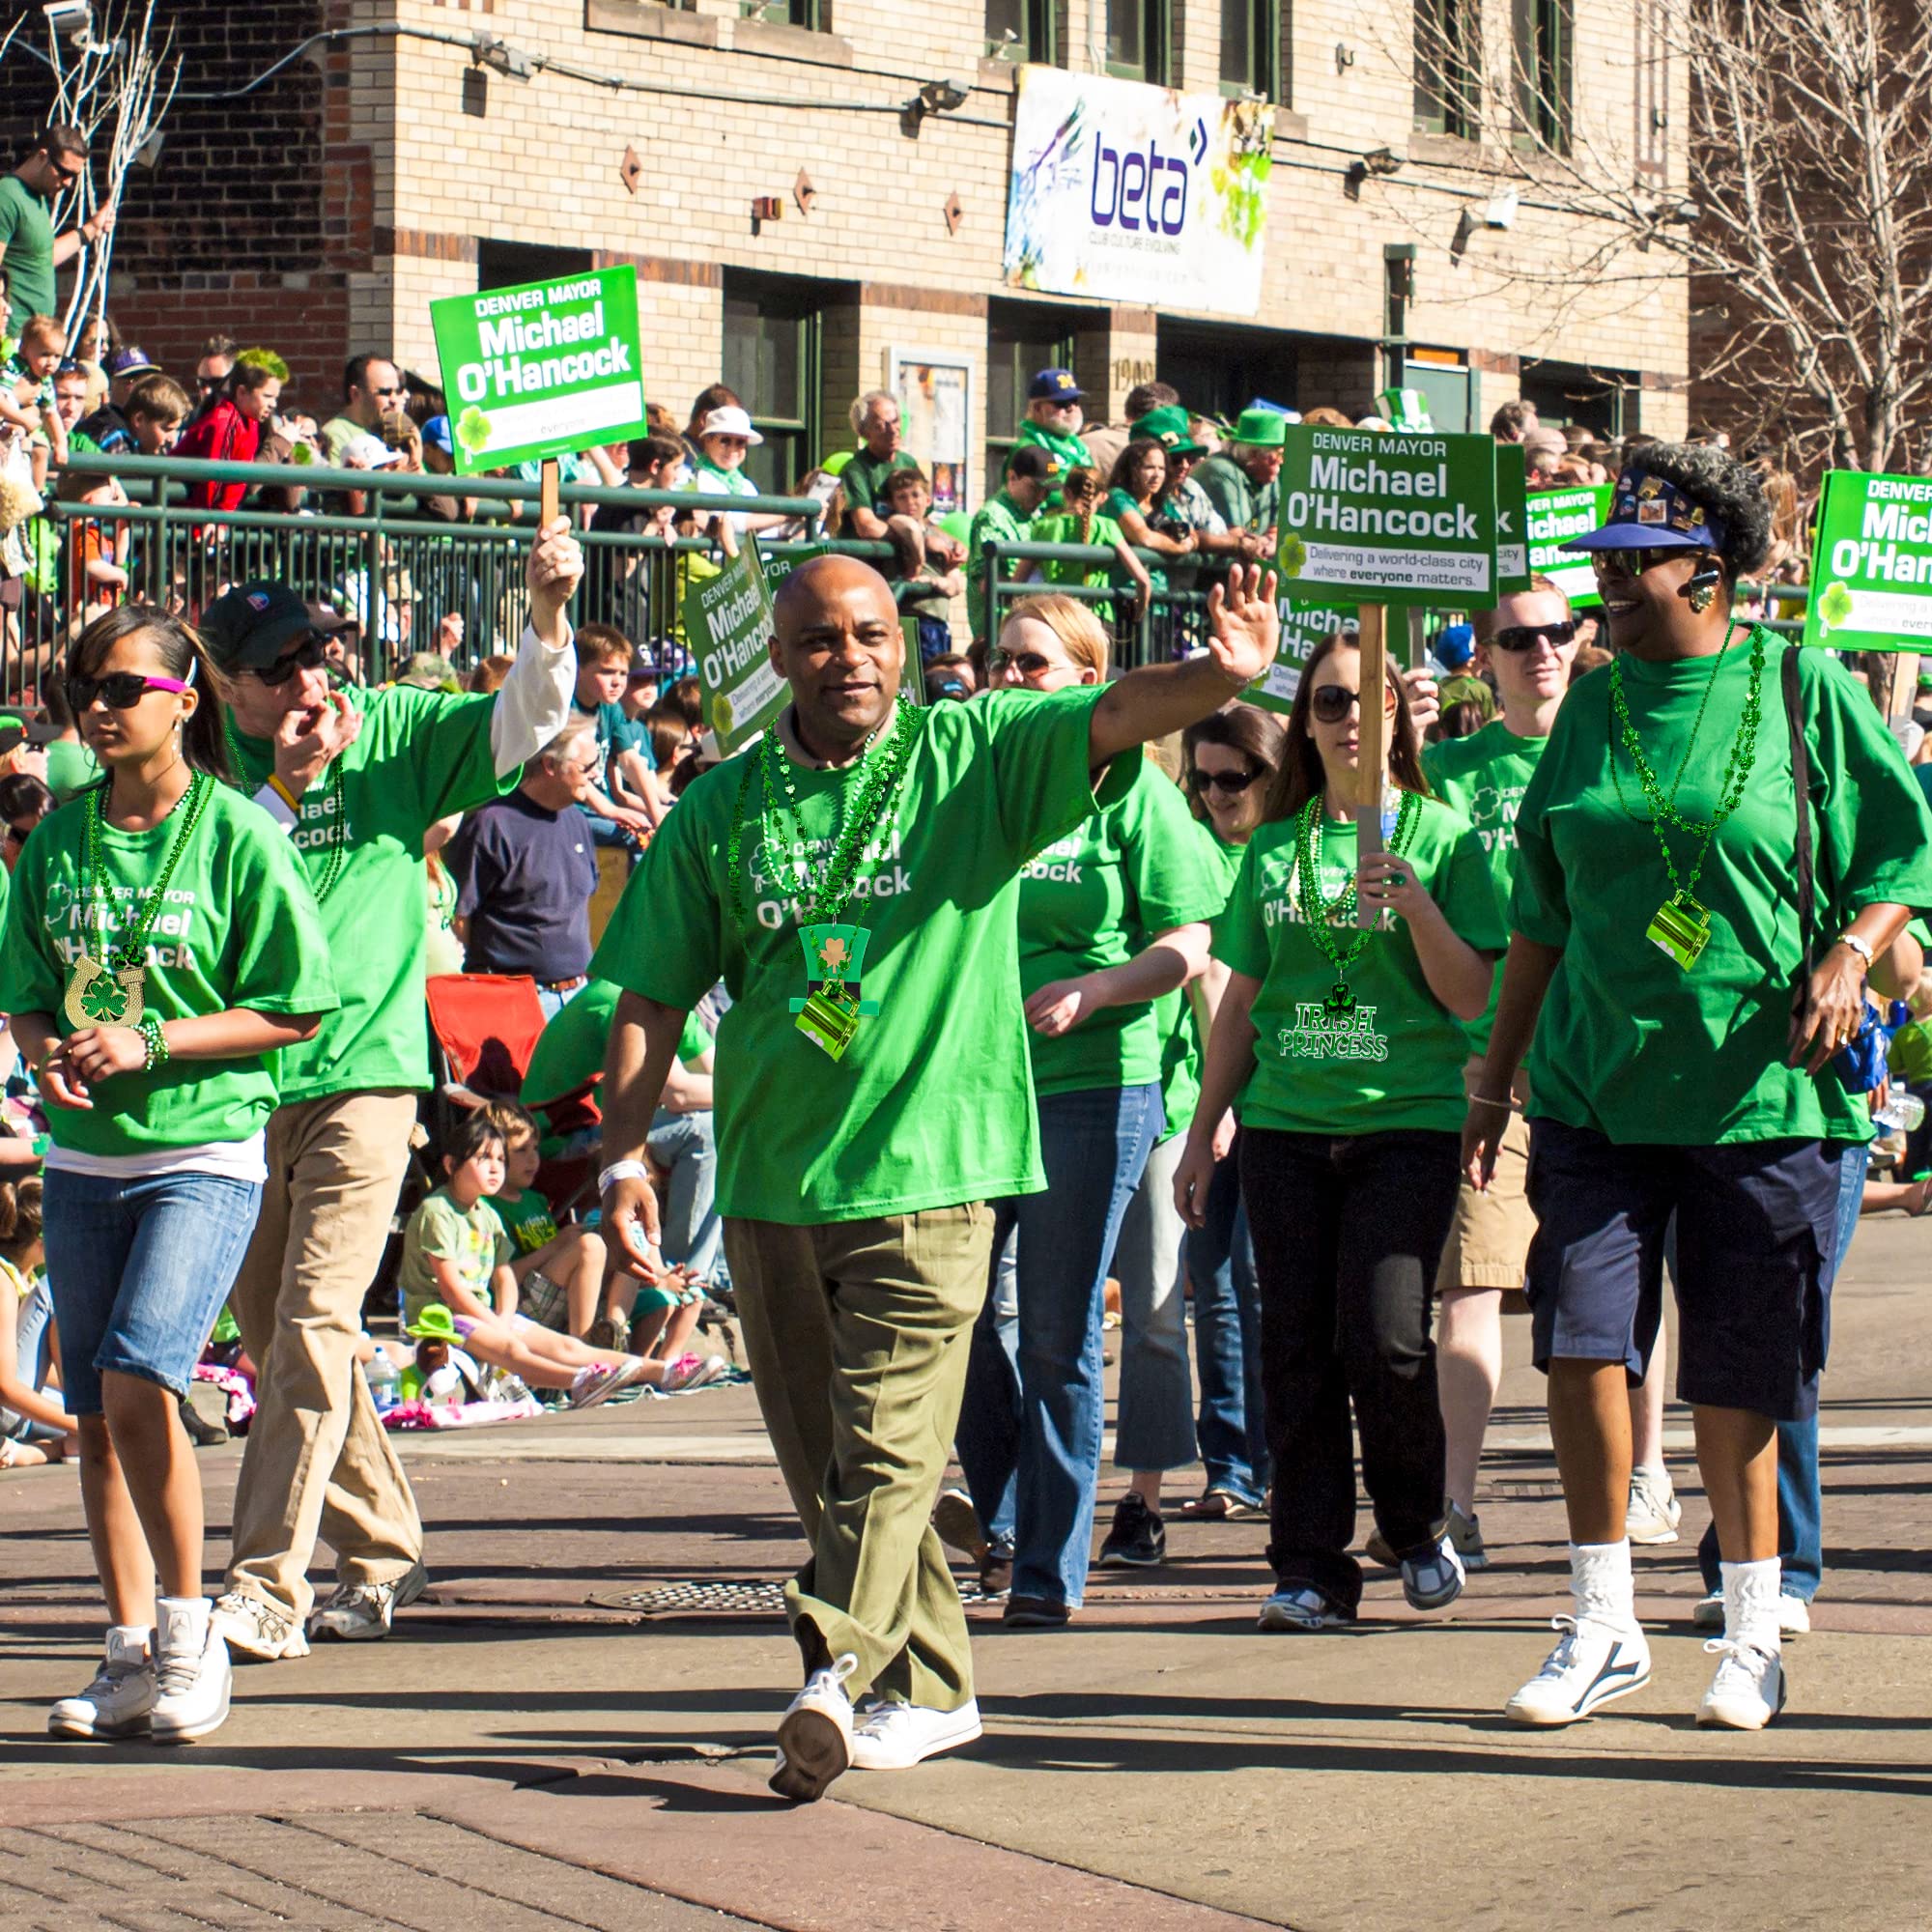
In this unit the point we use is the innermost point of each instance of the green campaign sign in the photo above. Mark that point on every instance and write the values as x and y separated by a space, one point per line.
542 369
1871 571
1555 516
1371 517
727 623
1512 519
1304 628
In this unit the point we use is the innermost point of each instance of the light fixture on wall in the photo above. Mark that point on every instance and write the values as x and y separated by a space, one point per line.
935 97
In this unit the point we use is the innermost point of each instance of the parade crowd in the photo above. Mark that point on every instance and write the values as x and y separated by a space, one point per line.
920 1025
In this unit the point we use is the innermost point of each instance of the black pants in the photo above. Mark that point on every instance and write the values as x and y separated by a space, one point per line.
1347 1234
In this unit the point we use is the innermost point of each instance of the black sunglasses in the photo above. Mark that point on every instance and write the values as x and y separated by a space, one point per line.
1235 782
1332 702
1523 637
118 690
308 655
1634 562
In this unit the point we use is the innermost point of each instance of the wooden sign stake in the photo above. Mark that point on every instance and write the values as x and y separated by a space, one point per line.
1374 747
547 505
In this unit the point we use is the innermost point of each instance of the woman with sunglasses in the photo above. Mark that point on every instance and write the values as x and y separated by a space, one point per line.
161 945
1231 762
1111 917
1341 1049
1526 645
1685 1033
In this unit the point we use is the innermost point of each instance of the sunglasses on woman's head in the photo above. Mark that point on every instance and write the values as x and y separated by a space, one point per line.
308 655
1332 702
1523 637
118 690
1235 783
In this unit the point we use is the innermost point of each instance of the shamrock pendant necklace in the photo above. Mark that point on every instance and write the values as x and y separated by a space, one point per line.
93 997
1320 918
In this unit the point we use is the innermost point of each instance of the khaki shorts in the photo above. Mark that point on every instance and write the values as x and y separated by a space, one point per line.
1489 1240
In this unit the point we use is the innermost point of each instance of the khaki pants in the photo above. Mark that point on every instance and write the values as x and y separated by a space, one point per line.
857 1333
318 1459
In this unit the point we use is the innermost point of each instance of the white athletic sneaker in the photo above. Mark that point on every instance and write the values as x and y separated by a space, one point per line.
1654 1511
1794 1614
692 1372
592 1383
358 1612
1749 1690
1432 1582
1591 1666
816 1734
1301 1607
256 1632
897 1736
192 1674
1466 1534
117 1703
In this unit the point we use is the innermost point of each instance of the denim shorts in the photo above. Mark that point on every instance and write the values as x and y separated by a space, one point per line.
1756 1225
139 1270
33 1354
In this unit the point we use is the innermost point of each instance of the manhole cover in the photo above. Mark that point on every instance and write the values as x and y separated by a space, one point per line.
739 1597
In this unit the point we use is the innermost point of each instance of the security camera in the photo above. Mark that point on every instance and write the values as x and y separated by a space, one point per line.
944 97
1501 210
62 14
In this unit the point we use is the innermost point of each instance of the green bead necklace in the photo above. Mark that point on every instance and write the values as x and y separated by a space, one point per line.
1321 917
1682 926
335 837
92 998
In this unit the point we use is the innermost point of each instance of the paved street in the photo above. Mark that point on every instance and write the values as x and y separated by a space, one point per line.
573 1730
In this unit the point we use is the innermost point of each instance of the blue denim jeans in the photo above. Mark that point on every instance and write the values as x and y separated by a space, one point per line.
33 1354
139 1271
989 1428
1220 1257
1046 1435
694 1234
1155 1427
1800 1529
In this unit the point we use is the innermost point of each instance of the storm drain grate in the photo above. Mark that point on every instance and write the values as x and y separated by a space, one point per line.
736 1596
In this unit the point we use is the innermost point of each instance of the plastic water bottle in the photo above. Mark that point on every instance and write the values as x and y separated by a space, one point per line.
385 1383
1903 1113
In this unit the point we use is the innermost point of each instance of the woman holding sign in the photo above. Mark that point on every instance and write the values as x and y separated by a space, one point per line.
1341 1051
1687 1004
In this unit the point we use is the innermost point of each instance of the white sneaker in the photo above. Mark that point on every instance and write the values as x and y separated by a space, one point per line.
1749 1690
1654 1512
1794 1614
692 1372
191 1676
816 1734
599 1381
1466 1532
1301 1607
1591 1666
897 1736
117 1703
360 1612
255 1631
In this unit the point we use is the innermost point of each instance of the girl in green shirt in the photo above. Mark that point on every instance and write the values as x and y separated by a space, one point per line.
160 946
1341 1050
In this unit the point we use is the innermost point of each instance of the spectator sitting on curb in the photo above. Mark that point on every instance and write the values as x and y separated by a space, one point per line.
35 1426
561 1271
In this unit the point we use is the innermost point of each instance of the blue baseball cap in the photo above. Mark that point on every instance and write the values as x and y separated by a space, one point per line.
1054 385
1649 513
1454 646
438 431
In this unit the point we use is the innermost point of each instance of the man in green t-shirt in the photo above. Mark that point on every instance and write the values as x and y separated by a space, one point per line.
1006 517
875 423
30 252
1053 419
356 776
1244 479
849 880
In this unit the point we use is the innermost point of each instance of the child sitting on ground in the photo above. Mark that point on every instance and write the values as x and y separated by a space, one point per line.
921 588
560 1273
34 1425
455 1251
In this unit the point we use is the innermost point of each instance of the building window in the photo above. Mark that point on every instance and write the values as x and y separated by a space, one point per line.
1653 90
1022 30
1251 47
1022 338
1542 38
1140 41
1446 66
774 330
508 265
806 14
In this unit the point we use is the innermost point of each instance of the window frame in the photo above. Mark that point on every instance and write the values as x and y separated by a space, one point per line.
1158 67
1039 35
1267 62
1059 353
799 435
1543 74
1446 100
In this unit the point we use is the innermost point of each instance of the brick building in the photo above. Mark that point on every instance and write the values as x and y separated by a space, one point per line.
322 210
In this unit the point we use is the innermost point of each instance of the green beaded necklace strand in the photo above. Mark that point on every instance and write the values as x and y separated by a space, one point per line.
1319 918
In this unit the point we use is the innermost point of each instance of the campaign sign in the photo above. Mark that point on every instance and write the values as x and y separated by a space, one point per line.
543 369
1304 628
1555 516
1871 571
1512 520
727 623
1371 517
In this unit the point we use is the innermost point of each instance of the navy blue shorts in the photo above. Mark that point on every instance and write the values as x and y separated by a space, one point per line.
1756 1240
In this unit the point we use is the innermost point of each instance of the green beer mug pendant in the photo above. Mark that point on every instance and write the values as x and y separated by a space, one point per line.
1681 929
829 1019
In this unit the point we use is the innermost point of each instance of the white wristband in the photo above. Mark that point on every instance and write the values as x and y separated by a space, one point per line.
621 1170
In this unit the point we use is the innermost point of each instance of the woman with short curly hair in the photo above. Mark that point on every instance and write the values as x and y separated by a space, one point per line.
1689 995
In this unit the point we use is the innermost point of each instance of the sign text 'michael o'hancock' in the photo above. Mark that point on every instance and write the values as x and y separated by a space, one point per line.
727 619
1381 518
1871 571
542 369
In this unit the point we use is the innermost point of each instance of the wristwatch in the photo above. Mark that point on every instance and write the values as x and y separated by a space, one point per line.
1857 946
621 1170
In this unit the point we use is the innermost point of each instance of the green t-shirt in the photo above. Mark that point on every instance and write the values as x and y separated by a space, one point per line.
528 1219
27 236
998 519
864 477
1397 1060
1182 1045
1629 1044
1484 776
238 928
421 755
569 1053
70 768
1072 451
1234 492
1096 898
933 1102
1064 528
1118 503
472 1239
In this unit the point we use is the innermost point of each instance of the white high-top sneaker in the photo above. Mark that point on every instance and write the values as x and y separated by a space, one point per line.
192 1674
117 1703
1748 1688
